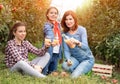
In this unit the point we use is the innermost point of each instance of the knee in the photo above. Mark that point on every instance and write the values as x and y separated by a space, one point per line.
65 66
21 62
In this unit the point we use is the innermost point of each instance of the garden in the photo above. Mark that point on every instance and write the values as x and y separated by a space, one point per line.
101 19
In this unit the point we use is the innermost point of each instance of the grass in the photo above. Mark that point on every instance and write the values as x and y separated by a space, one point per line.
6 77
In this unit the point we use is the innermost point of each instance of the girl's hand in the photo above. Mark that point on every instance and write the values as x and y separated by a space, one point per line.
38 68
55 42
47 42
47 45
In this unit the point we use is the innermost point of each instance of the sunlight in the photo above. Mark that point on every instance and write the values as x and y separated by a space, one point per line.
64 5
76 3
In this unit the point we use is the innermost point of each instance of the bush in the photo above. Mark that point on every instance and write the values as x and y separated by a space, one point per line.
31 12
101 19
5 22
109 49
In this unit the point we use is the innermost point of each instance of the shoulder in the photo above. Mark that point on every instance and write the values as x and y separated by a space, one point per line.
47 25
26 42
11 42
81 28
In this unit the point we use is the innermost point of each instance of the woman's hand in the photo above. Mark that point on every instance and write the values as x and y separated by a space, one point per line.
70 43
69 62
77 42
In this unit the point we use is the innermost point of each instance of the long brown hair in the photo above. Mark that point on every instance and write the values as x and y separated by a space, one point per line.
14 29
63 24
49 10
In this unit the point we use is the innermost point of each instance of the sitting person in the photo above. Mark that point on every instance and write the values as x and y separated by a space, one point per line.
17 50
78 56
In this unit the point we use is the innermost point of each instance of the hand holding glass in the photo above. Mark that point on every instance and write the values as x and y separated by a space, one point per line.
55 42
47 42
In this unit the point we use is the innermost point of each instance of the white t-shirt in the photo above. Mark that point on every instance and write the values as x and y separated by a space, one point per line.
57 47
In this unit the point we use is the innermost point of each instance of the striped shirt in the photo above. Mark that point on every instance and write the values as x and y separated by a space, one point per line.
15 53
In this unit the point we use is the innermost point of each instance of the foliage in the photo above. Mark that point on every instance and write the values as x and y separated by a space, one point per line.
101 18
109 49
31 12
5 21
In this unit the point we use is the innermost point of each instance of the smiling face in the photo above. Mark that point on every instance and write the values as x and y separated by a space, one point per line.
20 33
52 14
69 21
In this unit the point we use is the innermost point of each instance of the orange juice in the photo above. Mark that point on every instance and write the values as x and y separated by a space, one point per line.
47 41
56 41
69 43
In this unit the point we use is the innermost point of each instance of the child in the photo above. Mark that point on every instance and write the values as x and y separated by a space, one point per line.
52 34
17 49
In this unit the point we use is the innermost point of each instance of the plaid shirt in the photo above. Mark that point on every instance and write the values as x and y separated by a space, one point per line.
15 53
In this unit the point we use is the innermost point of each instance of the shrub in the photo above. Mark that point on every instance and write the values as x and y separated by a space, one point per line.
5 22
31 12
101 19
109 49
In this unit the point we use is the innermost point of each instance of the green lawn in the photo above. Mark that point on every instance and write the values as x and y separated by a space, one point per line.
7 77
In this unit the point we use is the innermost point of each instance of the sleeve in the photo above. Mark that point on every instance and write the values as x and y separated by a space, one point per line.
48 31
34 50
67 53
84 40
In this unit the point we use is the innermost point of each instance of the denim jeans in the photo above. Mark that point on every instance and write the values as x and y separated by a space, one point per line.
80 64
52 65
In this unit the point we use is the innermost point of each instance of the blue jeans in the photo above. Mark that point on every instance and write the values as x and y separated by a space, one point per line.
52 65
80 64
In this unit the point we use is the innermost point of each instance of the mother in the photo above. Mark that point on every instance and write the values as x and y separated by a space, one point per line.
78 56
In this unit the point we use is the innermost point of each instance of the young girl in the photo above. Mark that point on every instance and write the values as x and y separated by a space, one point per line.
52 34
17 49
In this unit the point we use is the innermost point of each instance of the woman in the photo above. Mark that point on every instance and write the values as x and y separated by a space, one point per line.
17 50
52 33
78 56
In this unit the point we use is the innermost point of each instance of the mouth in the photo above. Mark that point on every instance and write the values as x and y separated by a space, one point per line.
22 37
68 24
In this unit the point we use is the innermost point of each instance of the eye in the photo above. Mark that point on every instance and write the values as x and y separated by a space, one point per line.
56 13
20 31
51 12
25 31
70 18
